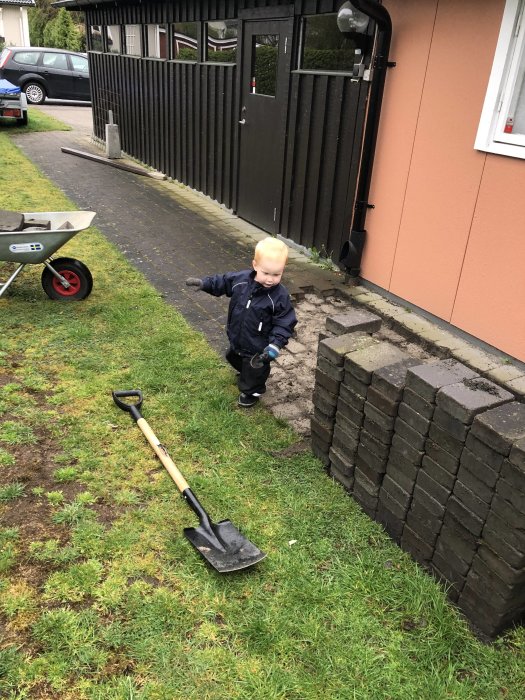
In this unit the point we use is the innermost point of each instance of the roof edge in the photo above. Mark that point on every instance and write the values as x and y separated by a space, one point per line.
79 4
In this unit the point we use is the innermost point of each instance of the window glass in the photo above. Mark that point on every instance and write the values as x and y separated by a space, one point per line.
79 63
325 48
55 60
133 39
113 38
157 43
184 41
29 57
512 120
502 125
264 64
221 41
95 36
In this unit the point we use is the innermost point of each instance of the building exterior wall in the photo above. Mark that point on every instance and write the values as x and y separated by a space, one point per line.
182 117
446 231
15 26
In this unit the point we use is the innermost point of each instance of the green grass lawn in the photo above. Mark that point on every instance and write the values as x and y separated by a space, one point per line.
102 597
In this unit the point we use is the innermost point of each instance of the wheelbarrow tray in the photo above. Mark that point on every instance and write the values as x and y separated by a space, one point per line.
36 245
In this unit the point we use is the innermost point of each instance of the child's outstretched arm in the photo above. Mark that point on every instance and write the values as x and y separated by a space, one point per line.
214 284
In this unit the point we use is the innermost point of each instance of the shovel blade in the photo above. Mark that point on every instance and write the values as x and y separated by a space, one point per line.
226 549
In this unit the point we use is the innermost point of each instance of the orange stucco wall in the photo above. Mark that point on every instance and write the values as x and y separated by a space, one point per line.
448 229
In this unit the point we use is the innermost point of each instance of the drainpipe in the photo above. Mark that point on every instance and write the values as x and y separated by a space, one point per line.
352 250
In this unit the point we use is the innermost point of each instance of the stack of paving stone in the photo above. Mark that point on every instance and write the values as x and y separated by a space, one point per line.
463 515
493 464
407 453
351 331
348 421
393 500
437 455
374 422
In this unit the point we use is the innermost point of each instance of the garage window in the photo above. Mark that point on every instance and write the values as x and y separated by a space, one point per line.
157 41
184 38
221 41
95 38
324 48
502 125
113 38
133 39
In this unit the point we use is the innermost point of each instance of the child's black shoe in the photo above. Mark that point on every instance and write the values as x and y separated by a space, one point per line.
247 400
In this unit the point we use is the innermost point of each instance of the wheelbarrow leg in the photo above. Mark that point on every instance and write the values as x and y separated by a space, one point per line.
13 277
63 281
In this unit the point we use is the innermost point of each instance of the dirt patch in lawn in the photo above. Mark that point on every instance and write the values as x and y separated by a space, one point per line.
31 513
32 467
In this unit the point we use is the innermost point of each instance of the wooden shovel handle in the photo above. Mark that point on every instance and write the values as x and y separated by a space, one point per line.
162 454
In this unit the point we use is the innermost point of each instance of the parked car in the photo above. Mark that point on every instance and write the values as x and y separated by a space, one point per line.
42 73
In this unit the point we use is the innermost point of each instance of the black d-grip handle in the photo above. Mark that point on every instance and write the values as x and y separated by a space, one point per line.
133 408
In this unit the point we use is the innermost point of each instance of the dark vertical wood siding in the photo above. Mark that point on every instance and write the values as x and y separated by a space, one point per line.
181 118
324 139
176 117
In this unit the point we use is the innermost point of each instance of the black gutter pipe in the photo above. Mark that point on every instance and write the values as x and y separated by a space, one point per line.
352 250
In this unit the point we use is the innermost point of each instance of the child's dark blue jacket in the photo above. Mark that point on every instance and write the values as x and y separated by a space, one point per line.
257 315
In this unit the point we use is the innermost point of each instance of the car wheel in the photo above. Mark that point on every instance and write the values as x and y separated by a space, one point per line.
35 93
23 120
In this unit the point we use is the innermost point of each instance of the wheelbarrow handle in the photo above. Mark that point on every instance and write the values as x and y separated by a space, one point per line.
133 408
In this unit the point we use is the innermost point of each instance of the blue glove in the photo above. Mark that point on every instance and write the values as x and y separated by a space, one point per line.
272 351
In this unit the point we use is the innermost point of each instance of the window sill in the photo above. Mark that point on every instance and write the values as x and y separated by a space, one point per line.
304 71
502 149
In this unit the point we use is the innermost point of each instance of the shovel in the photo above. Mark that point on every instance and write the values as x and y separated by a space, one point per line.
221 544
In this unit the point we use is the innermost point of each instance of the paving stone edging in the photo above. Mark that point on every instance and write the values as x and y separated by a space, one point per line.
435 452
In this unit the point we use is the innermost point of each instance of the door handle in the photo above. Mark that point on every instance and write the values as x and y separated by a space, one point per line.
242 121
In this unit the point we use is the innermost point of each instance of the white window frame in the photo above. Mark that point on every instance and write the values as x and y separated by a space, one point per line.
509 50
131 49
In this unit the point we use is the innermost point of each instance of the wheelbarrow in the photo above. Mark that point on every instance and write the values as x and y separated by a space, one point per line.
33 238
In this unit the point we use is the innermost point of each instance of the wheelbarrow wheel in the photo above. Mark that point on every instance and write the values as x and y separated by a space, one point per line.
74 272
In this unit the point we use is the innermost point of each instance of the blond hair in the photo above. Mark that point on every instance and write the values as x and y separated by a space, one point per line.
271 248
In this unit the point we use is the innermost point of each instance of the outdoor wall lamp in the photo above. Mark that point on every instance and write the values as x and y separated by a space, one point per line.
351 20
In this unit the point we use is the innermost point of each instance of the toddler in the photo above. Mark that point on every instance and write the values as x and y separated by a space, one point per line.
261 317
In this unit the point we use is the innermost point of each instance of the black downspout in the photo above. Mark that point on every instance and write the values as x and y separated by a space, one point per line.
352 250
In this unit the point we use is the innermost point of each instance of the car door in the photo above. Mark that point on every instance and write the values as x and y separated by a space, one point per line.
80 73
57 74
